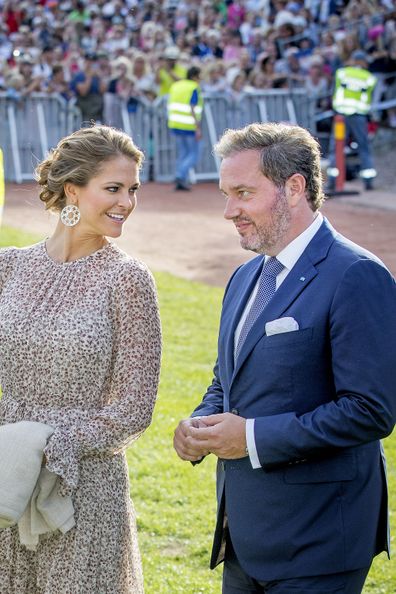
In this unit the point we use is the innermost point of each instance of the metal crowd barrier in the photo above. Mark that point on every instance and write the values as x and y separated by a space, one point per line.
31 126
135 120
28 129
221 112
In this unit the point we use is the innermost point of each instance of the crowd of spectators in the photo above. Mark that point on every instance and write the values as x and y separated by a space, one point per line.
135 49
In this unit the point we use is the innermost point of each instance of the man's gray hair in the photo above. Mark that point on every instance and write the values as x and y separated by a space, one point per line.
284 151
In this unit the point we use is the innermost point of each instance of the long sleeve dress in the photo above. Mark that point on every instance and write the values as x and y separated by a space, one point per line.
80 348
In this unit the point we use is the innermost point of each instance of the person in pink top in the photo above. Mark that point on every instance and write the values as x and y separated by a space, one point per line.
233 47
235 15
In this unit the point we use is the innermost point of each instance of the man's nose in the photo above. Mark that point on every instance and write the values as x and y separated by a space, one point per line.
231 209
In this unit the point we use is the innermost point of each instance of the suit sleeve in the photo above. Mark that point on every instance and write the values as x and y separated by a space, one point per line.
362 327
212 403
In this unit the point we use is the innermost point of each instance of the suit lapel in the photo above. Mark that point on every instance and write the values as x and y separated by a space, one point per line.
302 273
233 313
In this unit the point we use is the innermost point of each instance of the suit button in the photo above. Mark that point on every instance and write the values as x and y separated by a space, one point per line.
235 411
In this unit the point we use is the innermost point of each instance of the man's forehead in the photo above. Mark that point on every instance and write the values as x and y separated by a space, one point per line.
252 155
235 187
237 173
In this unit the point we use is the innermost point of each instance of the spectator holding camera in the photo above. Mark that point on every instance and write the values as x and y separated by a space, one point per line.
31 83
58 84
89 85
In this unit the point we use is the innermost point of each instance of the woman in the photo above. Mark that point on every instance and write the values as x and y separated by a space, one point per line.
214 80
121 89
80 351
266 67
236 83
144 77
316 84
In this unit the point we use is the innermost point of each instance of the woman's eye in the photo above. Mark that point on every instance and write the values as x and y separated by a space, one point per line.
113 189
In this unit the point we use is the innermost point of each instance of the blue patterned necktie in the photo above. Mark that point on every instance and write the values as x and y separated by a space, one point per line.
266 290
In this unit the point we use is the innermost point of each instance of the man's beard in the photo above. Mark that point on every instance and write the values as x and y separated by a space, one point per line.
270 234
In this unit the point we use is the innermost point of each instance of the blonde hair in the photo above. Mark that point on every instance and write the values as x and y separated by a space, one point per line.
78 158
284 150
122 61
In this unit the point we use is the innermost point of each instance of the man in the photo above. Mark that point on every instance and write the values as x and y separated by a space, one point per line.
291 68
185 105
44 67
169 70
352 98
57 83
304 384
89 85
30 83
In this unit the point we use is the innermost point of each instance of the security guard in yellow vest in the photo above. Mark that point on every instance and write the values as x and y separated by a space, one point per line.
352 98
185 105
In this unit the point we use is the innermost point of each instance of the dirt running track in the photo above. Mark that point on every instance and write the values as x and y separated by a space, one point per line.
185 233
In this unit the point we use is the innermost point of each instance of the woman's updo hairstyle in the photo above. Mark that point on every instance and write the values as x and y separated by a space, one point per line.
78 158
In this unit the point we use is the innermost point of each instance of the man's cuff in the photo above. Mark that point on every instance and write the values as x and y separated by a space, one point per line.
251 444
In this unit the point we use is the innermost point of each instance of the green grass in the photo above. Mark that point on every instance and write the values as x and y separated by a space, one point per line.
175 502
9 236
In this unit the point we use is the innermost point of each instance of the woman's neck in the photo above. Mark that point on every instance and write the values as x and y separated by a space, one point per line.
67 244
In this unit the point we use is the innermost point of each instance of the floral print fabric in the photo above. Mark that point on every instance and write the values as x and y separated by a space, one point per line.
80 348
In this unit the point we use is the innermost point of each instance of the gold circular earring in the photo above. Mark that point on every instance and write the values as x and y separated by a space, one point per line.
70 215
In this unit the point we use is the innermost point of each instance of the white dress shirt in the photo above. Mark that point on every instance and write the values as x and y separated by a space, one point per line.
288 257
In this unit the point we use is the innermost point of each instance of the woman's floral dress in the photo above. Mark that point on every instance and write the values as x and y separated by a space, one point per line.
80 347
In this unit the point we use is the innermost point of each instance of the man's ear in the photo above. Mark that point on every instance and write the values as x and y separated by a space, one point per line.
295 189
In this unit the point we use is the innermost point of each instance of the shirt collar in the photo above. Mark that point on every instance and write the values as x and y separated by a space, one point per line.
291 253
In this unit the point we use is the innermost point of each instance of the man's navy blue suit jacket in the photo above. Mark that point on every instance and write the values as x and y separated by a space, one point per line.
322 397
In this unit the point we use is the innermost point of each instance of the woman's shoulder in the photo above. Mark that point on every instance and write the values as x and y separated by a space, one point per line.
130 271
11 254
8 258
7 253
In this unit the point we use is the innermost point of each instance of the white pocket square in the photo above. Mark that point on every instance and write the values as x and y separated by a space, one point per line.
281 325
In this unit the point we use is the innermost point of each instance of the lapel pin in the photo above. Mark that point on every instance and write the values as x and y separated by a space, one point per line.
302 278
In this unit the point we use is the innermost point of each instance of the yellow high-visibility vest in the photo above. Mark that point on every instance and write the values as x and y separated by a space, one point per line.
166 80
179 107
2 188
353 90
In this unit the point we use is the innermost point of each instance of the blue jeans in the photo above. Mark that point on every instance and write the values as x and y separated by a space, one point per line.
355 126
187 154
